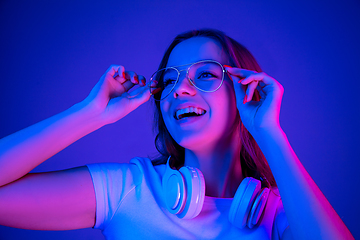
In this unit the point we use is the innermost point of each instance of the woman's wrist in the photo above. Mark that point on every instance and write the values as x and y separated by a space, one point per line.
267 132
91 113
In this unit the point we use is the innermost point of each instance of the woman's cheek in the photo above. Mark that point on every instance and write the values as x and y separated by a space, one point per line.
164 106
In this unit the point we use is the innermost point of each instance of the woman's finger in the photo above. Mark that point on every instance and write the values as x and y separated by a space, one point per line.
142 80
136 98
261 91
239 72
140 92
250 91
119 75
113 70
238 88
250 80
127 85
253 77
132 76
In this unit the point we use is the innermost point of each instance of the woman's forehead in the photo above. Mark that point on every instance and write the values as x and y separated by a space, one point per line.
196 49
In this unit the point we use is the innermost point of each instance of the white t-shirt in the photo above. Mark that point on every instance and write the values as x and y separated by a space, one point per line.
129 205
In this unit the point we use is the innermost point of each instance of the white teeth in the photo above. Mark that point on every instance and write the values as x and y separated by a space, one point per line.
196 110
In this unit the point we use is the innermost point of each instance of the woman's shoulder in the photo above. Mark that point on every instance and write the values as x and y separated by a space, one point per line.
142 163
137 167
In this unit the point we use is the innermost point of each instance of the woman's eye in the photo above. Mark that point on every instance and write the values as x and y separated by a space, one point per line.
206 75
168 82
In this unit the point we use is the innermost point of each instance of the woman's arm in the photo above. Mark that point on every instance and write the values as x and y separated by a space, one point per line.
108 102
61 200
309 213
24 150
64 199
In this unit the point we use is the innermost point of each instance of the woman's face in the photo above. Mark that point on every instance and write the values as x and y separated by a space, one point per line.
219 107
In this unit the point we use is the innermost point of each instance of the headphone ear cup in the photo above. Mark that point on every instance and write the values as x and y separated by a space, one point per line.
174 192
242 202
258 207
195 192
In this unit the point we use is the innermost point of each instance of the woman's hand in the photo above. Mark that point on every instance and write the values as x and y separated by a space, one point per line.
108 101
309 213
111 96
262 114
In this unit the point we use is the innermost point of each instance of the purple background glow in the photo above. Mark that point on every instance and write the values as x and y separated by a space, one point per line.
52 54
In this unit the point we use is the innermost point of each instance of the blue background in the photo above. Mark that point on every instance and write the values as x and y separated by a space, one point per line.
53 53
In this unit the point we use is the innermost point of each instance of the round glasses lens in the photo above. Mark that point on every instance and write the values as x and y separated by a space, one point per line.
207 76
163 81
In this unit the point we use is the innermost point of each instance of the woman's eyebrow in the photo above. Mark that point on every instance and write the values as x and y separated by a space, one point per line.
183 65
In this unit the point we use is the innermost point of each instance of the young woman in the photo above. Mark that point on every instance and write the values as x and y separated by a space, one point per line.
223 157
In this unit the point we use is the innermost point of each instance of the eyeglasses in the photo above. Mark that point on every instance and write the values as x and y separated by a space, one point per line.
205 75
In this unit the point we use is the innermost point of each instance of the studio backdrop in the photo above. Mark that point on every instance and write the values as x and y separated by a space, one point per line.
54 52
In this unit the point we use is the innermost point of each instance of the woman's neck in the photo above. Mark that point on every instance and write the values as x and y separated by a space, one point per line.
220 165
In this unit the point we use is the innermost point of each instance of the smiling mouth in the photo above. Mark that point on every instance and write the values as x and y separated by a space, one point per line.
188 112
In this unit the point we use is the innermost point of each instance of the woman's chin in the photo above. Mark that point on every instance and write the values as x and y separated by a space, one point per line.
195 141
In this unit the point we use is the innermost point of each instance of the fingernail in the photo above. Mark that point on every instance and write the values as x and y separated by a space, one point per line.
227 66
155 91
241 80
245 99
153 83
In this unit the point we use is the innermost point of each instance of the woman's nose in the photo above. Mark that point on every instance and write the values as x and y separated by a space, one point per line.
184 87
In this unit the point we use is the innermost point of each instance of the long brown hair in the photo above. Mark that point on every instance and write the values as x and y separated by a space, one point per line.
253 162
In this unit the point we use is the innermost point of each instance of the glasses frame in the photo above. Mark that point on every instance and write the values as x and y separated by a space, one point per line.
187 76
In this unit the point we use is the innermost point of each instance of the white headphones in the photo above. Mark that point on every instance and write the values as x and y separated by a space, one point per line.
184 194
